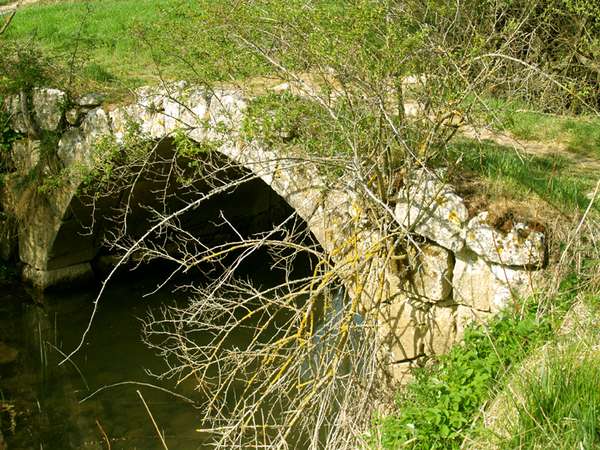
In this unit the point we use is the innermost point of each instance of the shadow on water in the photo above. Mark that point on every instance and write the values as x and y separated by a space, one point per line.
47 396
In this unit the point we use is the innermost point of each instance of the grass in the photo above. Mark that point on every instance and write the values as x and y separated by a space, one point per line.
560 408
553 399
579 135
439 408
115 45
99 34
508 174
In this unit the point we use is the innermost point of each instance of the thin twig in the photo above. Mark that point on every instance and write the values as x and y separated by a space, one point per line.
124 383
103 435
10 18
162 439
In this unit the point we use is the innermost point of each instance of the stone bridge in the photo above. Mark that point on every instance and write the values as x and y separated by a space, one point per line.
52 246
463 268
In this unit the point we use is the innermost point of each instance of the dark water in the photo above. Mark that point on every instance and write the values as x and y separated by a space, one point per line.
47 397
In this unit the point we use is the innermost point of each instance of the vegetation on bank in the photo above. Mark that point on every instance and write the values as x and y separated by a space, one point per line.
442 407
579 135
505 173
560 400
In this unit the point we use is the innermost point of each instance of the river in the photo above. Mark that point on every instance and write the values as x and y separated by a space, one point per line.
47 397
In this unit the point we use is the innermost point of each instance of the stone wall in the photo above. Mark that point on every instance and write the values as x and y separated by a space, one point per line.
458 269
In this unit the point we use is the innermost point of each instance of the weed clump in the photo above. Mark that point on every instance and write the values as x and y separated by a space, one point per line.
439 408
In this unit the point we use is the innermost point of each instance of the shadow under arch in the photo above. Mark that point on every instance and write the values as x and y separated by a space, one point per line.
238 205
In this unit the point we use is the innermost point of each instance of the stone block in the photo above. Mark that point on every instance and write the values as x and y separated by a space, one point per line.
441 330
402 328
96 125
73 115
25 155
521 246
48 106
73 148
90 100
430 208
431 279
488 287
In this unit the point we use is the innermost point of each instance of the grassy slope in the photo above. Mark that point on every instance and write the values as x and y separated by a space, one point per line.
118 44
553 400
555 179
107 47
579 135
552 396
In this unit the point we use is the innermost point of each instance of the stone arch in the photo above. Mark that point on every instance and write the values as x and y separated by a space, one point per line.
53 248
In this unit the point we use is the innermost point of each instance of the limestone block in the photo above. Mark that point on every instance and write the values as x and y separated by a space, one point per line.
488 287
402 328
148 112
73 148
226 111
43 279
521 246
430 208
466 316
25 155
96 125
431 279
441 330
90 100
188 111
49 106
17 122
121 118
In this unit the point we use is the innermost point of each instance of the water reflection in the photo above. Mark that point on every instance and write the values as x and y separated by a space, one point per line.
47 396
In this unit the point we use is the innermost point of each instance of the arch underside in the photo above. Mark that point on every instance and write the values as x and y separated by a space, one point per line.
248 207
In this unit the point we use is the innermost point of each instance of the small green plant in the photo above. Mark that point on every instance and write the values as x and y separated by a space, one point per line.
22 67
438 408
278 119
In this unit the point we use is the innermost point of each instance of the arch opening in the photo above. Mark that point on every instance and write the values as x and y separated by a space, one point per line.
233 205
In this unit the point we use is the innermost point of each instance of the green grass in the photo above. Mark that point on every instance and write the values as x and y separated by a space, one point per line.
119 44
439 408
580 135
99 33
552 178
561 403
